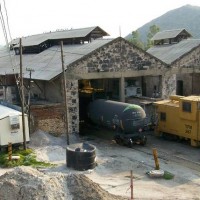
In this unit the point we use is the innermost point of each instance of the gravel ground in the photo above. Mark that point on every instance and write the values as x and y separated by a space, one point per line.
110 179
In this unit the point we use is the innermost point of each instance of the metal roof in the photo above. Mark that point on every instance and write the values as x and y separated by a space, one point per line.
5 112
63 34
47 64
192 98
172 52
168 34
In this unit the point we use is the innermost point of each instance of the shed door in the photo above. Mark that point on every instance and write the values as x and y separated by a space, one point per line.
179 90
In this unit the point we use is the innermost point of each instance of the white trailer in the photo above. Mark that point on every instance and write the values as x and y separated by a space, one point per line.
11 130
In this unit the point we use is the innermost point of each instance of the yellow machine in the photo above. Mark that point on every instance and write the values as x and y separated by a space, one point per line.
179 116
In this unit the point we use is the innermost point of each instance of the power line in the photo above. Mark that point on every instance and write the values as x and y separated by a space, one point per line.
81 54
3 25
7 20
7 44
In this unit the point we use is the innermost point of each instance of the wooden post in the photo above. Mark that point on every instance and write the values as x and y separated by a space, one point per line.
131 185
9 151
22 95
155 154
29 98
65 92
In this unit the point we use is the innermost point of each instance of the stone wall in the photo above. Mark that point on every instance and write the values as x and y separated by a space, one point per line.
168 86
49 118
191 60
73 106
118 55
190 81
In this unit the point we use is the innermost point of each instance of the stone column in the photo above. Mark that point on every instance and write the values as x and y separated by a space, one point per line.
122 90
168 86
73 106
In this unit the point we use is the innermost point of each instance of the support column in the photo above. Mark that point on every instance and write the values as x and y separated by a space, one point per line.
122 89
168 86
73 106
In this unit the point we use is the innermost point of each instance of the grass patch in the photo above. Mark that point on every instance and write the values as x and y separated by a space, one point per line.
168 176
27 158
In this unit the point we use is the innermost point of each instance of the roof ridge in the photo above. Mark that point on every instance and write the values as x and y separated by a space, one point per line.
178 29
56 31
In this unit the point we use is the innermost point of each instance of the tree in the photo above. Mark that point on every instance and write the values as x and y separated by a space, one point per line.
152 31
136 39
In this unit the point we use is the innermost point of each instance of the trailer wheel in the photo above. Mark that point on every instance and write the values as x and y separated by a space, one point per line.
118 140
130 143
143 140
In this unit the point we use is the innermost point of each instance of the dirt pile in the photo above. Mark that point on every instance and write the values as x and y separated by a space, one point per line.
26 183
82 188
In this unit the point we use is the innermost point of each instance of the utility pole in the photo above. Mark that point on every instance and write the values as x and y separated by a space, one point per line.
5 82
22 95
65 93
29 98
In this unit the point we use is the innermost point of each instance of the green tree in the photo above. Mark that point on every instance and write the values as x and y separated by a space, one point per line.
136 39
152 31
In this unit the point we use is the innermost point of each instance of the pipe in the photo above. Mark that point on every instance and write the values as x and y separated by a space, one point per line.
155 154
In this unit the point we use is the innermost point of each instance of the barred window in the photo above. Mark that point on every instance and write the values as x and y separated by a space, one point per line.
162 116
186 106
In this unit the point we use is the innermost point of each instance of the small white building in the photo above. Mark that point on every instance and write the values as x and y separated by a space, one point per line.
11 130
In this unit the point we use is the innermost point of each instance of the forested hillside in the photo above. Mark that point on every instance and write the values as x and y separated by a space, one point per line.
187 17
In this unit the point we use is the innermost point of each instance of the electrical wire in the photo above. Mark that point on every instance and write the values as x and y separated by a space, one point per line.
7 20
7 43
80 54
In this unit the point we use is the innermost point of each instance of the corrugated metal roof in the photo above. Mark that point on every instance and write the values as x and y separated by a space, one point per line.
170 53
47 64
167 34
64 34
192 98
5 112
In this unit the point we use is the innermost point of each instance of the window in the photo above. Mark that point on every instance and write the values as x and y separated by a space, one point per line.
198 105
186 106
162 116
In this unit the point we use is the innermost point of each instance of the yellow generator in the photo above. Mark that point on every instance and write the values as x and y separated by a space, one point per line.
179 116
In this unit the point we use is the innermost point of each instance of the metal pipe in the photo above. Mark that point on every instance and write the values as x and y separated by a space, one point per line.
155 154
131 185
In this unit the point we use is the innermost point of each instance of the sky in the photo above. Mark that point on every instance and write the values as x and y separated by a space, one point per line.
116 17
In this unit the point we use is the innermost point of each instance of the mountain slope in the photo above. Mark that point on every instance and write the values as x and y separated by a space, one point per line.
187 17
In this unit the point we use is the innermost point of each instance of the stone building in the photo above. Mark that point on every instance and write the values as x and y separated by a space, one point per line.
182 53
95 67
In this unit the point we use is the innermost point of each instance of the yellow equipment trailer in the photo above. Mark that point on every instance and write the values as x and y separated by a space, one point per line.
179 116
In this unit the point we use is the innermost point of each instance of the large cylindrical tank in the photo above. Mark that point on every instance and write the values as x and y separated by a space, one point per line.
126 116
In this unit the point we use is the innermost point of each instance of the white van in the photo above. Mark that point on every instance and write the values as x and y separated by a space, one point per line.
133 91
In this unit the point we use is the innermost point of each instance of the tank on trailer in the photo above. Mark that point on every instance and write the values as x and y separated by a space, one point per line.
128 120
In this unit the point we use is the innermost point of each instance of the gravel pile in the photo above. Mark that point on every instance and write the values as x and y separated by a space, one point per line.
26 183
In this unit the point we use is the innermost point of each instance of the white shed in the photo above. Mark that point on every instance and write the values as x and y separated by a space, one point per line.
11 126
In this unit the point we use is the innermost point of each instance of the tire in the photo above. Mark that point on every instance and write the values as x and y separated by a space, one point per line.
143 140
118 140
130 143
